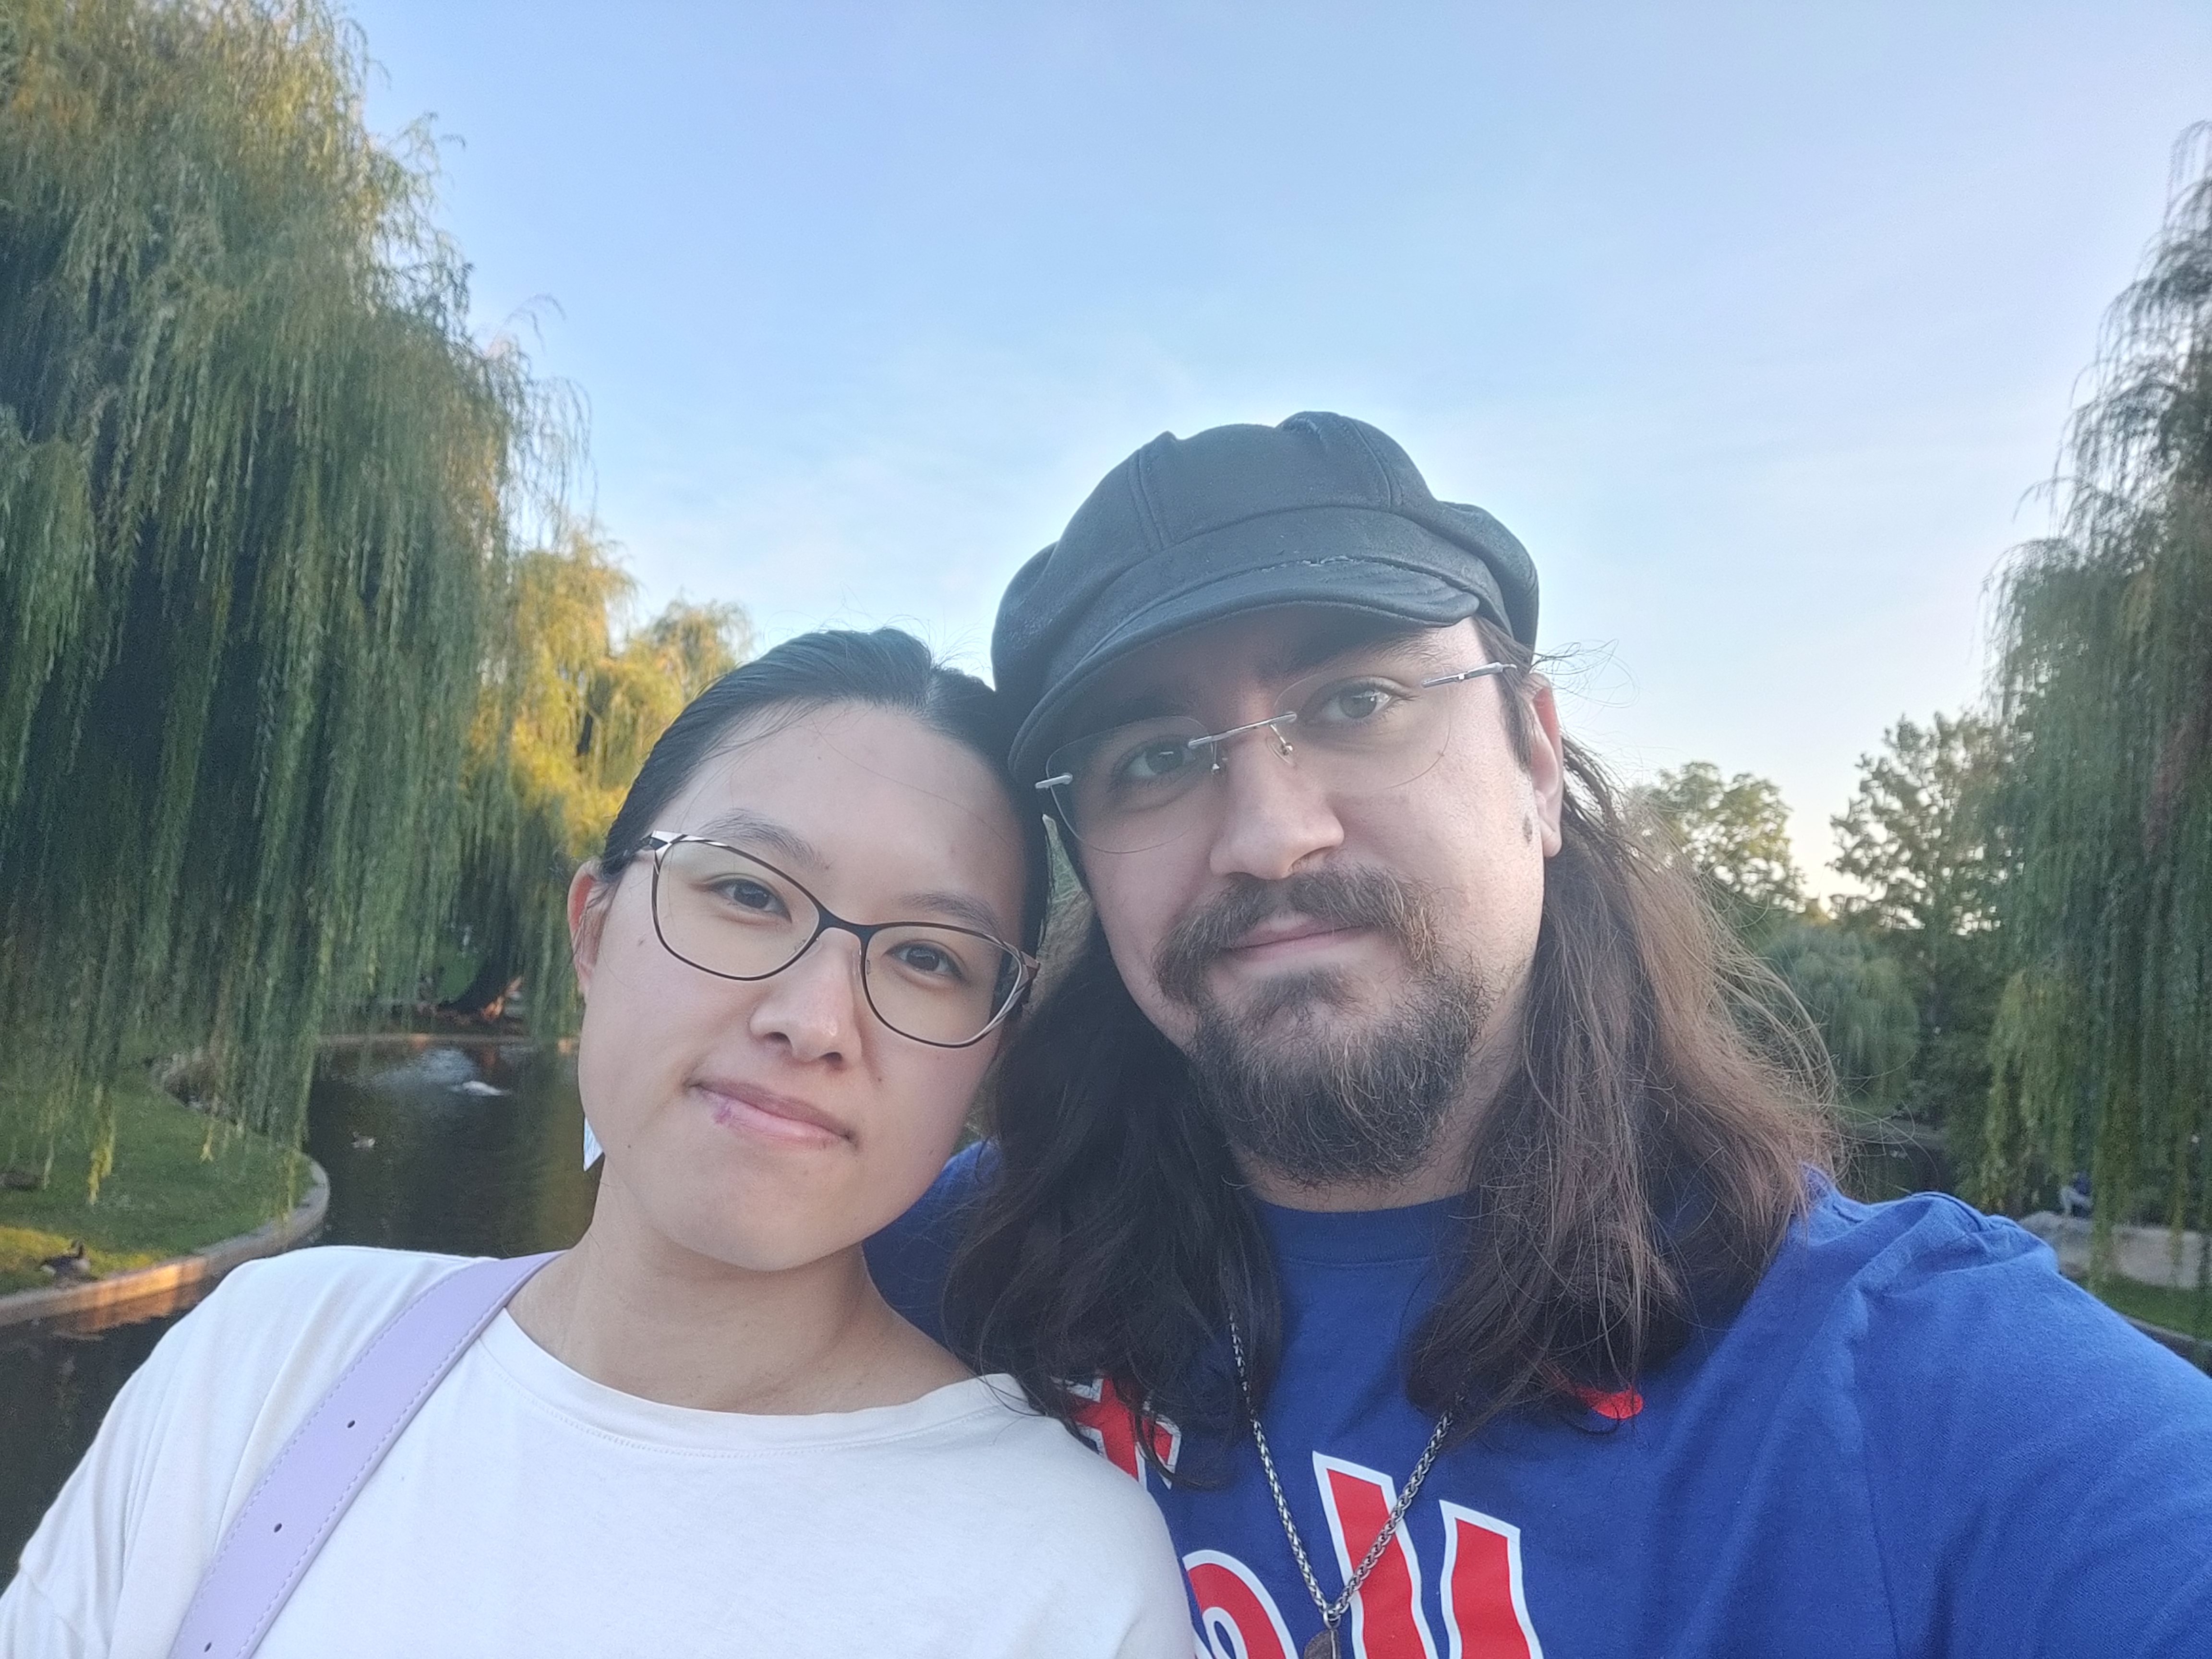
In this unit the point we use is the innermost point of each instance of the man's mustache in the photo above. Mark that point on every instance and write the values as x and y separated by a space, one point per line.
1356 897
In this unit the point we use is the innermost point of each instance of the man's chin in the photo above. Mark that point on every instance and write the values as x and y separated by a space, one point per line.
1324 1002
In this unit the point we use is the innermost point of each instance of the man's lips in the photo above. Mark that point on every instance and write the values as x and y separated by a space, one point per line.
763 1112
1285 935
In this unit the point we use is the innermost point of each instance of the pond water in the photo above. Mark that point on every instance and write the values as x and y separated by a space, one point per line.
467 1147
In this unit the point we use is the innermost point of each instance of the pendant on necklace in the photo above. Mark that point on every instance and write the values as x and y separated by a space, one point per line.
1323 1645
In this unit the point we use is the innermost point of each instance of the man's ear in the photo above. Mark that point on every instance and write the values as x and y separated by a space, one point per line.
1547 761
588 896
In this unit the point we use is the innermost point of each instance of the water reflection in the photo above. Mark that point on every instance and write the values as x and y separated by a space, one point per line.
472 1148
477 1153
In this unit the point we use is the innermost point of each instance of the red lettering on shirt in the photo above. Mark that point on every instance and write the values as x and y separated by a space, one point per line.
1486 1611
1112 1429
1385 1620
1237 1617
1484 1608
1619 1406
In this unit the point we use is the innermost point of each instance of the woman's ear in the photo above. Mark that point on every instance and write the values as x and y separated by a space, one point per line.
588 894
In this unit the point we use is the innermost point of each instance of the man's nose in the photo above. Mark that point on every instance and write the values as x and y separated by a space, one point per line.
813 1007
1275 815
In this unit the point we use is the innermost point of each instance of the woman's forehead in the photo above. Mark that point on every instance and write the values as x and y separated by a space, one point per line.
871 797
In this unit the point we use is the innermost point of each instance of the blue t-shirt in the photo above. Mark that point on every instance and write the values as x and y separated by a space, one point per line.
1915 1438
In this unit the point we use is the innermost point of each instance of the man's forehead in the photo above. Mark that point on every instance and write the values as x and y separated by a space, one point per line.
1265 649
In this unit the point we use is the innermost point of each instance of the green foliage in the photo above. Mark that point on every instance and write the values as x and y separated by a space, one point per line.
1916 832
1735 837
1858 996
255 481
2186 1311
2102 1049
1919 834
559 732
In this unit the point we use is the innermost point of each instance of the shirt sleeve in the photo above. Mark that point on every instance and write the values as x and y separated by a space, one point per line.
31 1623
911 1259
64 1598
2041 1472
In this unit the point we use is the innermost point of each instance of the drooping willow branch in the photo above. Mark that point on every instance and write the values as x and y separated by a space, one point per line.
2102 1049
256 486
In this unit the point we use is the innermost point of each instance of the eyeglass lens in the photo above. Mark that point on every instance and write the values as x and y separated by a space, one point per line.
1143 785
730 915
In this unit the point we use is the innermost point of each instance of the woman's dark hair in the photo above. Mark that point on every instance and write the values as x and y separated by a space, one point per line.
1632 1180
887 668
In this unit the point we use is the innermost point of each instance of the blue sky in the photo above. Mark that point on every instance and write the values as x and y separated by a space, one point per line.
1759 324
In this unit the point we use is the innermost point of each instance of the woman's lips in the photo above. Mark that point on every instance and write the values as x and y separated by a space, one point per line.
775 1117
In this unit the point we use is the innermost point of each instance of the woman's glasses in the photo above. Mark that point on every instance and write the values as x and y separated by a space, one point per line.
729 914
1357 731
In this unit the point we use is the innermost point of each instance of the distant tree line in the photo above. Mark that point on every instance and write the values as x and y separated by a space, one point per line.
1900 977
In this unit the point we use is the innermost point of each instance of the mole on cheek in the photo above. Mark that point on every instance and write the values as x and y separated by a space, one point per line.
1528 828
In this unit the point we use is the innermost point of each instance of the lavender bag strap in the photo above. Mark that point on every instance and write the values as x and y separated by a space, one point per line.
274 1538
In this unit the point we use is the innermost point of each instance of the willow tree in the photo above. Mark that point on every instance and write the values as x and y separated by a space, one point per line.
1857 996
255 481
2102 1049
566 719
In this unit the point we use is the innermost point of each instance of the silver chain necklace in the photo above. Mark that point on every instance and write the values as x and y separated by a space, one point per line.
1323 1646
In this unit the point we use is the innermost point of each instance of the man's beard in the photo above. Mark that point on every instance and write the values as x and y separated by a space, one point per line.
1314 1104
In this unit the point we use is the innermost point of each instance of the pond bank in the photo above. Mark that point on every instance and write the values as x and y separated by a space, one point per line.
162 1287
181 1181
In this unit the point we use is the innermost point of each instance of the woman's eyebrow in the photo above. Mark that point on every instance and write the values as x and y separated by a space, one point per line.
967 911
764 833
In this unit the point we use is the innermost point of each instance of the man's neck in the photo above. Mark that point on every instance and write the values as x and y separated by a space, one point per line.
1434 1180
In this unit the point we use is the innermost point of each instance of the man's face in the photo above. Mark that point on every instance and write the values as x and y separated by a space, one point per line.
1329 956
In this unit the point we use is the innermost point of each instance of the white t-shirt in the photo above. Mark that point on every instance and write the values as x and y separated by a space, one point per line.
529 1511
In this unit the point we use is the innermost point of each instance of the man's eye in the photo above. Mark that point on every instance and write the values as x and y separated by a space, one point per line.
1349 705
1153 762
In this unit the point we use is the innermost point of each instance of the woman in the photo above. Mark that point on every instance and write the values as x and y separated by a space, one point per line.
700 1431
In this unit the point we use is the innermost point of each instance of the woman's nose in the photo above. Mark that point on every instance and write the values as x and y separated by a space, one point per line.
813 1006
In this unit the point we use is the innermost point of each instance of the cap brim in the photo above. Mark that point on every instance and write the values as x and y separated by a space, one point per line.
1339 557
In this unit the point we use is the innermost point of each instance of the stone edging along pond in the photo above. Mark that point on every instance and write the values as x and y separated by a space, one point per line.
172 1282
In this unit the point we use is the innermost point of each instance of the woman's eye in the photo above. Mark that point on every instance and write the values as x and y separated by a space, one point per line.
933 961
753 896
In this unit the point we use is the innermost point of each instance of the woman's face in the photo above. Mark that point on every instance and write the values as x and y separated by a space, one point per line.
768 1123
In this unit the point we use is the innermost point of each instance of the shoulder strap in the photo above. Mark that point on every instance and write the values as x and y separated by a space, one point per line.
273 1540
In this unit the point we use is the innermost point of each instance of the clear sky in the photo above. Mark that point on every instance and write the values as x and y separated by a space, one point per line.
1759 323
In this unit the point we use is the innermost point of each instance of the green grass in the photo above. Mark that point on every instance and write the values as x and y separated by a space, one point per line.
181 1181
2177 1311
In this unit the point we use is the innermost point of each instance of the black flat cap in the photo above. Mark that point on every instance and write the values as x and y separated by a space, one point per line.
1320 510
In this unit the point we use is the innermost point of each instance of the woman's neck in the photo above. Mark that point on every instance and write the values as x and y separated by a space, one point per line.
635 1311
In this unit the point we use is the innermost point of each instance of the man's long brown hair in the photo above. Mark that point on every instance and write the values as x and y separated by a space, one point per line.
1630 1181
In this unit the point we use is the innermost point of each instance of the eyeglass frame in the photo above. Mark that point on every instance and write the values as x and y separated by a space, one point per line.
828 921
1216 742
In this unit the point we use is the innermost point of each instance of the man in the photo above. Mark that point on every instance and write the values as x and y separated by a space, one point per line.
1402 1178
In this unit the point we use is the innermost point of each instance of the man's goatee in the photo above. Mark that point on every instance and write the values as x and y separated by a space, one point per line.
1313 1103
